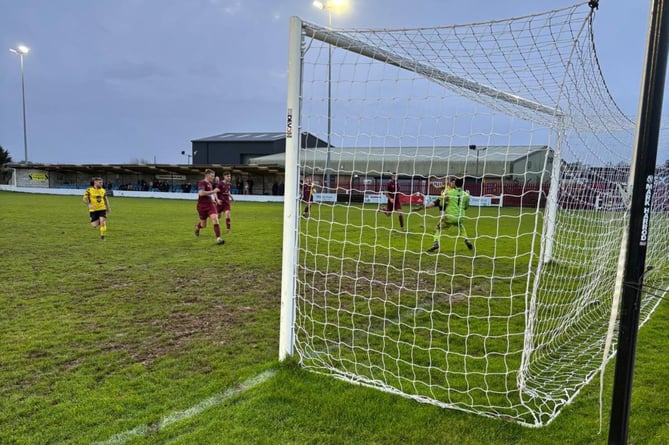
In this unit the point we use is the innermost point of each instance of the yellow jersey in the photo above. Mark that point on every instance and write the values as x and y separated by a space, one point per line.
97 197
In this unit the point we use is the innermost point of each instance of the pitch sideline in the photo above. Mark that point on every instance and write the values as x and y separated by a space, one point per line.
177 416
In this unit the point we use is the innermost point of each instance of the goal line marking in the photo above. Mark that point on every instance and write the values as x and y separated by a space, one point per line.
178 416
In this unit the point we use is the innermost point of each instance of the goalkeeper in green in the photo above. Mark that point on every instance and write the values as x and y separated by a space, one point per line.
453 202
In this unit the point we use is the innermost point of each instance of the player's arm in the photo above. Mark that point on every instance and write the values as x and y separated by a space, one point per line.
107 206
87 199
203 192
425 206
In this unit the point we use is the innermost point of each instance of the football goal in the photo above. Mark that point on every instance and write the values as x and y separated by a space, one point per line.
518 110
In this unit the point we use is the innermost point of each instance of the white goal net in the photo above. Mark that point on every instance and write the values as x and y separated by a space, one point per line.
516 109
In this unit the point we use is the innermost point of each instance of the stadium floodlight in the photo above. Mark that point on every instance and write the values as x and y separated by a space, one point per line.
189 157
477 150
22 50
518 327
329 6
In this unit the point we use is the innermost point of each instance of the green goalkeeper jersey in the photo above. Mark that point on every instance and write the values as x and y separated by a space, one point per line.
456 202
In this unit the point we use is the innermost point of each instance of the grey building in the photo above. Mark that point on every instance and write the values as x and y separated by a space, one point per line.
530 164
239 148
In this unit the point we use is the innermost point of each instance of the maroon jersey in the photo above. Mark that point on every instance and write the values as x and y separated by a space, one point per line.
205 204
308 190
223 191
393 191
223 196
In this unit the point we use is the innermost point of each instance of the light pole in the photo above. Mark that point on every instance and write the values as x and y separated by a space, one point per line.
188 156
329 6
477 150
22 50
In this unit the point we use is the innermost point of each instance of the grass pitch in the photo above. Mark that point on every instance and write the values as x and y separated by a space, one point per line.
151 337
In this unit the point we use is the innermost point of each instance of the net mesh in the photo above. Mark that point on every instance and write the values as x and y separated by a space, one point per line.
515 326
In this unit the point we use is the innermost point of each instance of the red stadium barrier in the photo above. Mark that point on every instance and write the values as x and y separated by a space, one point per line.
415 199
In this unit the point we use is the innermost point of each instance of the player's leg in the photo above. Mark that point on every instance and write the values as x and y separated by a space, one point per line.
228 220
217 228
202 223
436 236
388 209
397 207
463 231
95 219
103 227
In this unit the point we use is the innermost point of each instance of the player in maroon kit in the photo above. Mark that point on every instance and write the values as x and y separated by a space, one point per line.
206 205
308 191
224 199
392 192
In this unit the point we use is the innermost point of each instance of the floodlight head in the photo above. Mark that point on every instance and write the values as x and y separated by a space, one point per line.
472 146
336 5
20 50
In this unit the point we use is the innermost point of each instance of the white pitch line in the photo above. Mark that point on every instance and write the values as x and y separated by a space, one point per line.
177 416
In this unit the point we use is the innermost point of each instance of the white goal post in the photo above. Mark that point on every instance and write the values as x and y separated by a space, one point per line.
507 313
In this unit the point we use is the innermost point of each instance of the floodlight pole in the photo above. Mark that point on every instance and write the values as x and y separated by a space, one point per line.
188 157
21 51
328 6
329 136
477 150
642 177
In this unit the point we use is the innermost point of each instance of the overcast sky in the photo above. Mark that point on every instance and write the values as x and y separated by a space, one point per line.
116 81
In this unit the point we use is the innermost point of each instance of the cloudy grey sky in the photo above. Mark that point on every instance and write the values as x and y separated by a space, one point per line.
114 81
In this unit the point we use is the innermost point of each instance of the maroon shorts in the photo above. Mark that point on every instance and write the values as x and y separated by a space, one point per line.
395 205
223 207
204 211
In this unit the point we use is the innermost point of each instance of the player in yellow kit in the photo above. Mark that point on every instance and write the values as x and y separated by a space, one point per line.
449 183
95 197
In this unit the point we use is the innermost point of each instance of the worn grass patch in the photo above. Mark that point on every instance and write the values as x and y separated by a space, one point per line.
99 338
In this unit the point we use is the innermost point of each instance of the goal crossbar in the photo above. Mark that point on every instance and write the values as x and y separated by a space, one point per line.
334 38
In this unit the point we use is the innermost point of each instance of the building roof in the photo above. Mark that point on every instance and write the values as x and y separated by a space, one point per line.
150 169
244 137
413 160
